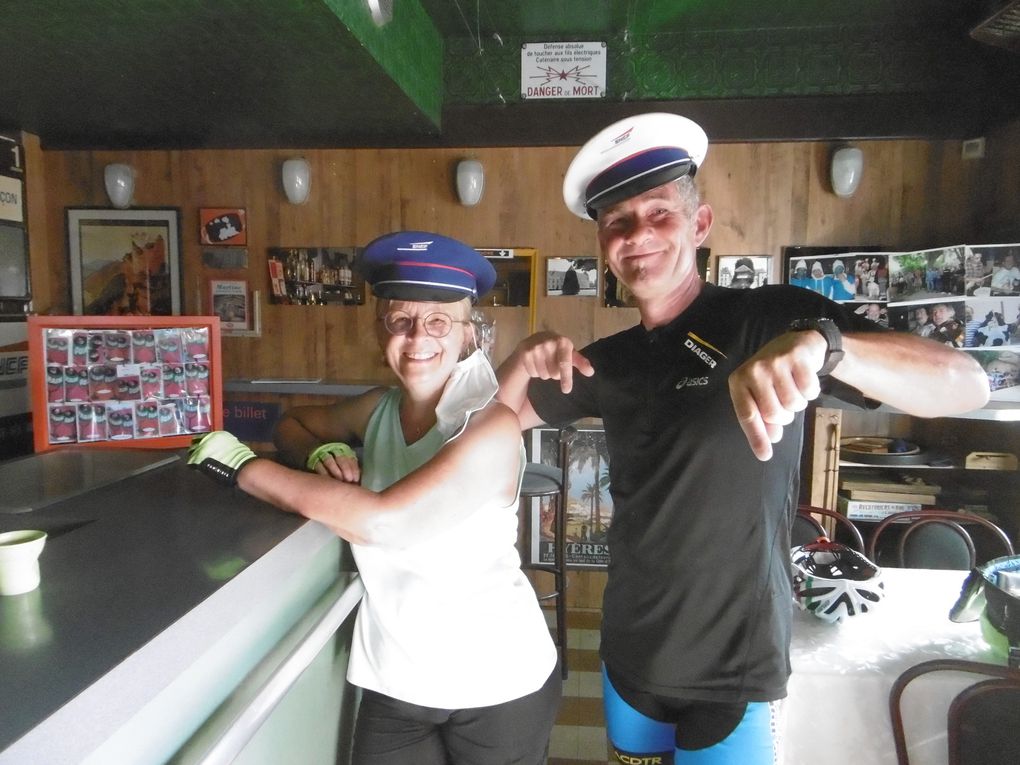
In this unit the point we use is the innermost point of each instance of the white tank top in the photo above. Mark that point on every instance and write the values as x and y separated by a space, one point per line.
450 622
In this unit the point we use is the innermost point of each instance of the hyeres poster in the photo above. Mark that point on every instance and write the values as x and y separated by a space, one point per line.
589 512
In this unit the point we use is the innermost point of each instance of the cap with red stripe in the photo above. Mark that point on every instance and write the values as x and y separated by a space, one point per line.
630 157
425 267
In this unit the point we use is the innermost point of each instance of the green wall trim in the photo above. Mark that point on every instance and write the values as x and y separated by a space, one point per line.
408 48
837 61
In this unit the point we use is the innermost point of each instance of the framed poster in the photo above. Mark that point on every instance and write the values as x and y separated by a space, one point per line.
124 262
222 225
229 301
589 511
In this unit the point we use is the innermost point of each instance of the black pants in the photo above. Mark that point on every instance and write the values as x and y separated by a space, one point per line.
392 732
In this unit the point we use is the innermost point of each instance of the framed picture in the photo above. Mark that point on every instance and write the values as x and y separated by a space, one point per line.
222 225
124 381
742 271
124 262
229 301
572 276
589 503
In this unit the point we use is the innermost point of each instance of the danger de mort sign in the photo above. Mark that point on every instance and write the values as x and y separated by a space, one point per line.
563 70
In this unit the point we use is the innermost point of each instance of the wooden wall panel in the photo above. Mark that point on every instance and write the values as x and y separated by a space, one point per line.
913 194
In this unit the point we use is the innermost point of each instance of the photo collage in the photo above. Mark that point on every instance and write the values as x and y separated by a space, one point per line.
965 296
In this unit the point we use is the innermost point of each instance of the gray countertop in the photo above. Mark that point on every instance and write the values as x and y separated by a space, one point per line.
123 562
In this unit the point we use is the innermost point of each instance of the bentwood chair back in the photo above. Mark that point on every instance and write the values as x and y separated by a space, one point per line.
983 724
806 525
937 539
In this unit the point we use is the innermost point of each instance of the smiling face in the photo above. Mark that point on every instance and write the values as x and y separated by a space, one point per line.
417 358
650 241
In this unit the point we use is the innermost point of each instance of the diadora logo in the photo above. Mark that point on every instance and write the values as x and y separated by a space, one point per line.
694 382
697 346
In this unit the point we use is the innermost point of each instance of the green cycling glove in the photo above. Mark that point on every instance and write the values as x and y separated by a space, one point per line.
220 456
335 448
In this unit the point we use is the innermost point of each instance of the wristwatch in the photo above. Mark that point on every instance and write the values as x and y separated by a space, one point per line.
833 338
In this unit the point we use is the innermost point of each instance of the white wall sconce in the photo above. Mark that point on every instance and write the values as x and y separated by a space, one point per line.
297 179
845 170
470 181
120 184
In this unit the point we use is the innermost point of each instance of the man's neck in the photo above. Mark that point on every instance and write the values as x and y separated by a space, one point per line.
659 311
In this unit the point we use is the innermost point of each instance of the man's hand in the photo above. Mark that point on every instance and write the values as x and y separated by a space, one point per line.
335 460
548 356
220 456
773 385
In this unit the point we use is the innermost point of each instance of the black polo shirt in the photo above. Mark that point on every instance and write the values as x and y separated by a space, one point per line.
698 602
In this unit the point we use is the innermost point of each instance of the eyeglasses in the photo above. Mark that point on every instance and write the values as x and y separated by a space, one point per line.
435 324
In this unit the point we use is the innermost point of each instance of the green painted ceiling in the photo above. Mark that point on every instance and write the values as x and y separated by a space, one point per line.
308 73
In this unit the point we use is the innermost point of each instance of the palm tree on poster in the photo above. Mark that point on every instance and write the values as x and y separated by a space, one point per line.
589 449
593 494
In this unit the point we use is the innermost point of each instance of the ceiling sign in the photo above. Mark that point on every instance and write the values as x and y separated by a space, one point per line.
563 70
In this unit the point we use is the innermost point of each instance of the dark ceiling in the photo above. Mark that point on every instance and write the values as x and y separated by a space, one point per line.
119 74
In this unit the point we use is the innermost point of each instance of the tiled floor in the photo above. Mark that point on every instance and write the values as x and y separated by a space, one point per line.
579 737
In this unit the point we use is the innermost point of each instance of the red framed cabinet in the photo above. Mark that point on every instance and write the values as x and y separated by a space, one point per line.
149 382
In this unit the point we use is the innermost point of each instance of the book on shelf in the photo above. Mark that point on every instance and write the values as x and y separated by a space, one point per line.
850 481
893 496
872 510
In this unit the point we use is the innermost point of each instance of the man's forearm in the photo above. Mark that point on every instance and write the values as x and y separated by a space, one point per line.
918 376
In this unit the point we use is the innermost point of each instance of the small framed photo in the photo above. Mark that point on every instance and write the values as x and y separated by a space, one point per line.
572 276
742 271
229 301
222 225
124 262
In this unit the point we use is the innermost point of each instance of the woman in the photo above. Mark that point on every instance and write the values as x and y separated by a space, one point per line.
450 646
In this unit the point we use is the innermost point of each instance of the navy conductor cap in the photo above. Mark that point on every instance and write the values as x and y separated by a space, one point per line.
630 157
426 267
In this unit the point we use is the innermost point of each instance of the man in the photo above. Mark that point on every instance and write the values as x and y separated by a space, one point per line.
948 329
819 282
1005 279
743 274
697 609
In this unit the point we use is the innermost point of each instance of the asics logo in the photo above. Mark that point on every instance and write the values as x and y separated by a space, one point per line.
694 382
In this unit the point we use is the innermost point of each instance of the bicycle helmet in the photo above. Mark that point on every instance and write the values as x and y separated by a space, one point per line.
990 593
833 581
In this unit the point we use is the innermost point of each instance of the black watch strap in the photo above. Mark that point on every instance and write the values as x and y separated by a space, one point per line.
833 338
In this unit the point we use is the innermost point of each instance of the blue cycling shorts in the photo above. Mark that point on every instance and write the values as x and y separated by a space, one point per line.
675 732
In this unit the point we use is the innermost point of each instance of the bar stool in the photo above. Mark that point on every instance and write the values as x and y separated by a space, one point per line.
548 481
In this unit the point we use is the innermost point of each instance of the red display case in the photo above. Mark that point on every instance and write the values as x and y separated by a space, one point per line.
140 382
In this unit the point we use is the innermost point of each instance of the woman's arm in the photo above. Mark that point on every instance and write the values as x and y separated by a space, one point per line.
301 429
479 466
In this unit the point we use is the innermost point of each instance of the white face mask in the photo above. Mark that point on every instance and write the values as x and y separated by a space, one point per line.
471 386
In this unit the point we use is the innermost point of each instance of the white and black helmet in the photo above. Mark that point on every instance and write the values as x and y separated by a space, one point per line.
833 581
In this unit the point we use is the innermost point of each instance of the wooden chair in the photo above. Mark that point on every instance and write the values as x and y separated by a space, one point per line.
805 525
936 539
983 724
548 481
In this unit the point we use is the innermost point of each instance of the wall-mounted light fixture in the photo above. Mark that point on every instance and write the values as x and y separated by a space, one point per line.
470 182
297 179
845 170
120 184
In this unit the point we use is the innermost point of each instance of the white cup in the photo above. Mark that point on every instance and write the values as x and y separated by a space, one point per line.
19 561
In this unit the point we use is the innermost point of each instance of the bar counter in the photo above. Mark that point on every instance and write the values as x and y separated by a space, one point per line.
160 591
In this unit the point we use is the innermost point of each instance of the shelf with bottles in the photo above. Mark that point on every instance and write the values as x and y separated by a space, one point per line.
315 276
